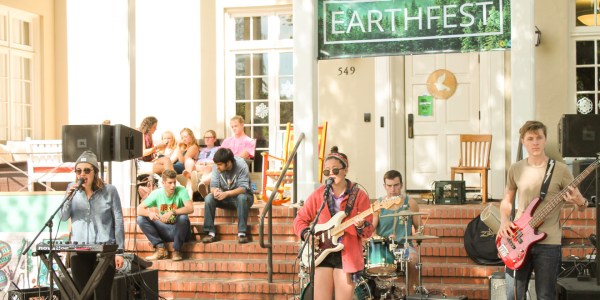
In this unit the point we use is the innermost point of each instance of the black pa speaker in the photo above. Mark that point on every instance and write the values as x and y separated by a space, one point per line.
573 289
78 138
140 285
579 135
127 143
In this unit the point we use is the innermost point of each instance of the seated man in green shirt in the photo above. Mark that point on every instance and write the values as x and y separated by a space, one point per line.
163 217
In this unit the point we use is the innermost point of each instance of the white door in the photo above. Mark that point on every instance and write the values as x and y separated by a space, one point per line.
434 145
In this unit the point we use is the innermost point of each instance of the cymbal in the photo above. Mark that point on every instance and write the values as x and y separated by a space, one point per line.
421 237
404 213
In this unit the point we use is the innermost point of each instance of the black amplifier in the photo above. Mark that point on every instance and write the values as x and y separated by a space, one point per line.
449 192
33 294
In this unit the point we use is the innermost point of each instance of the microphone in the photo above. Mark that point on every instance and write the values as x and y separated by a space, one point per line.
79 186
329 182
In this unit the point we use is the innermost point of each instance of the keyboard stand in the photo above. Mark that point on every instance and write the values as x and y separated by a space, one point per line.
68 287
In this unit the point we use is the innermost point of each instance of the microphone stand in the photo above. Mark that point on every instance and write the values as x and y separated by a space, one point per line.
50 255
311 241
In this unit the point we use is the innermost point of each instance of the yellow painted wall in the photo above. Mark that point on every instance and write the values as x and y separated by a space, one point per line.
343 100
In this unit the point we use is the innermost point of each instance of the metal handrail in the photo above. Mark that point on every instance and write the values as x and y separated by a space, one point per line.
267 209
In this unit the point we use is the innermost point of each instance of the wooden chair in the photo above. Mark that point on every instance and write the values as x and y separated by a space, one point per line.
272 171
474 158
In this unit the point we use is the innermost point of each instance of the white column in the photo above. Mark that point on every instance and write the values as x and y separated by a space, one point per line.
523 69
306 117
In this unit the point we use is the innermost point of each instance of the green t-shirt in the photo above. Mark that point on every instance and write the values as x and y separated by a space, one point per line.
158 198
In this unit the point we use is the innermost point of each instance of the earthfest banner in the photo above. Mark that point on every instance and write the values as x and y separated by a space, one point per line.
397 27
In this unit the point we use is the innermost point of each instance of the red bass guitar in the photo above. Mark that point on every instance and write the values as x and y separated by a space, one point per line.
513 250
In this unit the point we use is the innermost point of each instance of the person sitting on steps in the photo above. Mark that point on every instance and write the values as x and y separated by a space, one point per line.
230 189
163 217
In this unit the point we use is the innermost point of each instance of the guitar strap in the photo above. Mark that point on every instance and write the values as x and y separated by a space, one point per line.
547 178
351 199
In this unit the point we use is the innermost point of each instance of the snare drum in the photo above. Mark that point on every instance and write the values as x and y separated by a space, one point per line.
379 260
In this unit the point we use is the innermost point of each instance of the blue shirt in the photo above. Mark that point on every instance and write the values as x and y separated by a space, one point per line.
97 220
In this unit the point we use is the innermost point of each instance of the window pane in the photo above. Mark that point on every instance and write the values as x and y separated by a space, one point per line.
261 134
242 29
242 65
243 109
21 32
286 112
586 15
585 104
286 27
260 28
286 63
585 79
286 88
260 63
261 113
584 52
3 33
261 88
242 88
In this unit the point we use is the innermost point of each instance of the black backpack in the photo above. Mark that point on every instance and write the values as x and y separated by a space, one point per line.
480 243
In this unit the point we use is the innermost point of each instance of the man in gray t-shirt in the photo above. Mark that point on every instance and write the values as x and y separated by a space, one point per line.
229 189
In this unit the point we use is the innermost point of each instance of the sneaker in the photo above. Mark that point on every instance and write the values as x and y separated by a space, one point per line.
176 256
160 253
194 178
202 189
209 239
242 239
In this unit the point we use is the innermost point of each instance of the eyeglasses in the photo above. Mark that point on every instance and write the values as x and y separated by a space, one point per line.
85 171
335 171
209 137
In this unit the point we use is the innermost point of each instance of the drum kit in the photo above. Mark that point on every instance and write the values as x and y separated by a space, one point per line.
384 263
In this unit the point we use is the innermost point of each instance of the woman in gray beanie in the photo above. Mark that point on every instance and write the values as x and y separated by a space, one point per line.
96 217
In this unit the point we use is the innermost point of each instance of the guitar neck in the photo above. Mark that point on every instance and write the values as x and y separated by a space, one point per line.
551 204
338 230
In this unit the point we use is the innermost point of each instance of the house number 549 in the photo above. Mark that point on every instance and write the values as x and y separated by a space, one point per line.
346 71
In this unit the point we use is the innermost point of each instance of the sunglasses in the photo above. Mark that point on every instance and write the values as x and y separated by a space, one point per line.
335 171
85 171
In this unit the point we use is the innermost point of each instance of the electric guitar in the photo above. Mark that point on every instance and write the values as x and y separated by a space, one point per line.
513 250
328 234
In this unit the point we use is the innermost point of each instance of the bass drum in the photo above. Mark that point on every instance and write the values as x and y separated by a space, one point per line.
362 291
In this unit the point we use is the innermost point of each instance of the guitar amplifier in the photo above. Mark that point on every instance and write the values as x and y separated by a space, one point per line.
33 294
449 192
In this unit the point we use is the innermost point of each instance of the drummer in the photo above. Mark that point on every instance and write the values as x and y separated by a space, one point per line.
394 228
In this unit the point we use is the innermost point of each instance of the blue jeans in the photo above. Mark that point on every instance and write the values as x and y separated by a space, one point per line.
241 202
545 261
159 233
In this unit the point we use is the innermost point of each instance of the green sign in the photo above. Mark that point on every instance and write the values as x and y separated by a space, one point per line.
398 27
426 106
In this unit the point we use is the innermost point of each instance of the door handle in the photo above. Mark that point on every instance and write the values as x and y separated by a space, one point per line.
411 122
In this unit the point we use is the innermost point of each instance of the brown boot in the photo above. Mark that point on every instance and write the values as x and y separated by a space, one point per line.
176 256
160 253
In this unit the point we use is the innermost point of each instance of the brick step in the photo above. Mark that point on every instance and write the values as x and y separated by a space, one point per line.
279 211
224 216
226 231
223 250
206 288
471 291
228 269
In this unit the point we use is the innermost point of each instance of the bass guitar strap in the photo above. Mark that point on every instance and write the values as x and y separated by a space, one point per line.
547 178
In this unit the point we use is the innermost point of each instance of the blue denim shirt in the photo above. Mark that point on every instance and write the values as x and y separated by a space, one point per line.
99 220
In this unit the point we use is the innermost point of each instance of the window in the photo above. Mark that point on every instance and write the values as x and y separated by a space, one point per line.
259 70
17 74
587 68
